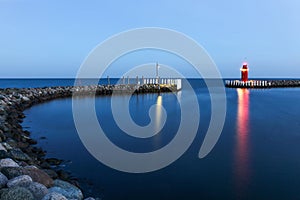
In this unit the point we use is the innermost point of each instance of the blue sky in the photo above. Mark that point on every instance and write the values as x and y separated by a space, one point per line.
51 38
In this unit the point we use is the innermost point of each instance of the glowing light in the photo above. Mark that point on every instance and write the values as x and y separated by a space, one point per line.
244 70
242 151
158 119
159 100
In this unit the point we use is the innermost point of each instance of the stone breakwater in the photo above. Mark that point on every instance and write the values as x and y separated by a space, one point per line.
285 83
262 83
25 173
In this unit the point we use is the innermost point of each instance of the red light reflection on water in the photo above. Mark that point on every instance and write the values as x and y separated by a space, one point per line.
242 146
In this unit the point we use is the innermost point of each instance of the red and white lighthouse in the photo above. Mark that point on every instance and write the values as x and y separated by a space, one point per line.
244 72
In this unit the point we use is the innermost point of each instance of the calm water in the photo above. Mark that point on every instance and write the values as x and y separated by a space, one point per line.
256 157
30 83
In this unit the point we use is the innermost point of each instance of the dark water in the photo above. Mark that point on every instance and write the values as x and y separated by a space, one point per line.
256 157
30 83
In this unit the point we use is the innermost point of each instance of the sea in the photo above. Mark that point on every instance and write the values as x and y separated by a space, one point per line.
256 156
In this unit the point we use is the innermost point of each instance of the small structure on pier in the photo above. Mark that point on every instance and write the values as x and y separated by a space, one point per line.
244 72
144 84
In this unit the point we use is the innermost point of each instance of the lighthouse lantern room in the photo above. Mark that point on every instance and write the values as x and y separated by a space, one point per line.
244 72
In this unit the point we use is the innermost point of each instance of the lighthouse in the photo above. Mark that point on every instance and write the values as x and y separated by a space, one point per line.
244 72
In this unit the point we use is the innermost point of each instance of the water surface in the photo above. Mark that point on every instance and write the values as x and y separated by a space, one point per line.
256 156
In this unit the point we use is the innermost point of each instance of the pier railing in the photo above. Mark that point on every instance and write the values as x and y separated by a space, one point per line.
248 84
262 83
151 81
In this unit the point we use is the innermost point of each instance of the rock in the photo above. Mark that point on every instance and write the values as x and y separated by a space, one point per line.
19 155
16 193
45 165
3 180
2 97
63 175
30 167
53 161
38 151
11 143
2 111
37 175
61 191
54 196
66 189
22 145
7 146
38 190
8 162
51 173
31 141
23 164
21 181
2 135
25 99
4 154
12 172
2 147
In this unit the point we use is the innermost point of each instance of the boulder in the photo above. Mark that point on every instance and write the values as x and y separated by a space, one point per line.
38 190
21 181
12 172
2 97
2 111
25 99
16 193
6 146
8 162
4 154
37 175
3 180
51 173
53 161
30 167
66 189
17 154
54 196
63 175
2 147
22 145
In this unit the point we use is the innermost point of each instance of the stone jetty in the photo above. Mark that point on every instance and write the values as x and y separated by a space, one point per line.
262 83
25 173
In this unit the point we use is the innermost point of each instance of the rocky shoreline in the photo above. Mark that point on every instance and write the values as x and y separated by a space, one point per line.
285 83
25 173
